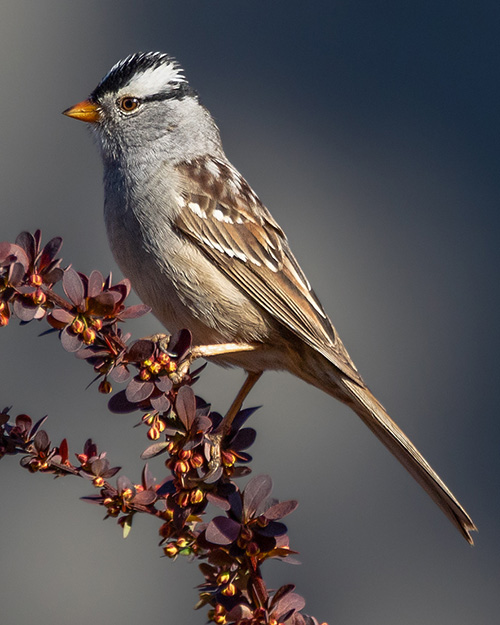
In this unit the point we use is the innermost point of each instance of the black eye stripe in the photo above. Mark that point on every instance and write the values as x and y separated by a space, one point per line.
177 93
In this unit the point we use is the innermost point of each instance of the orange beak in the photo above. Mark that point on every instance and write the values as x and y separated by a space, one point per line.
86 111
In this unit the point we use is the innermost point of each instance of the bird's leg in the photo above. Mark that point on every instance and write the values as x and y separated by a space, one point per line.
225 425
251 380
206 351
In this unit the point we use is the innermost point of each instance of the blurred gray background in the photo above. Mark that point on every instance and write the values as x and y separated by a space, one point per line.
371 131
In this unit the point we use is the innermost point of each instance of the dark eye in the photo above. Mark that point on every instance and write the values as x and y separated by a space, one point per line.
128 104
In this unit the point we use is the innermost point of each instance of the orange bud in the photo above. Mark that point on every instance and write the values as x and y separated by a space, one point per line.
228 458
154 432
155 367
89 335
163 359
39 297
197 461
181 467
170 550
127 494
229 590
105 387
35 279
98 481
144 375
77 326
183 499
96 324
252 549
196 496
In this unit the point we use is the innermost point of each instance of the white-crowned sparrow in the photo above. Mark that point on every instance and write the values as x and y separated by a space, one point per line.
202 250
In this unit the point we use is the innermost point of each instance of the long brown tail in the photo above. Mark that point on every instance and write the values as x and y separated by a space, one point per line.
375 417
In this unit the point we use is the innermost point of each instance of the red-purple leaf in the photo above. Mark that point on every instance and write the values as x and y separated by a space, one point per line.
154 450
281 592
99 466
123 483
185 406
27 242
120 373
291 602
10 251
70 341
38 425
145 498
41 440
242 416
180 343
147 477
164 383
160 402
104 303
222 531
24 310
217 500
62 315
140 350
24 422
244 438
275 528
132 312
138 390
259 591
119 404
256 492
96 282
73 286
64 450
49 252
240 612
17 274
280 510
53 276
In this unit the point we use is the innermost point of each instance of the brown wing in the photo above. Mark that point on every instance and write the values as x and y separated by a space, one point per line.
226 220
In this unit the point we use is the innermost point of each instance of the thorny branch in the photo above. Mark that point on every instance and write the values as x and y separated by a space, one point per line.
233 546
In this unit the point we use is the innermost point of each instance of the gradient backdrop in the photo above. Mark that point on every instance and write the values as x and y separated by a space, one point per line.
371 131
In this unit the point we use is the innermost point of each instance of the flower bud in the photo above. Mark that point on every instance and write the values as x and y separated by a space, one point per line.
170 550
183 499
89 335
39 297
197 461
181 467
77 326
96 324
228 458
196 496
105 387
35 279
229 590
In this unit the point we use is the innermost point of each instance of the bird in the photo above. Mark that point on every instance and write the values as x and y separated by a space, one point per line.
201 249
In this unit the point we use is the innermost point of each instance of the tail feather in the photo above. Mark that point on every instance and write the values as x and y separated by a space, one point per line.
375 417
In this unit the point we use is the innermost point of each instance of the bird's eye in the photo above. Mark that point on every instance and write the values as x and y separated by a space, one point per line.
128 104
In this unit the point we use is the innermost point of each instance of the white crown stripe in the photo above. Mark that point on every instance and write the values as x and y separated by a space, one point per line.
154 80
